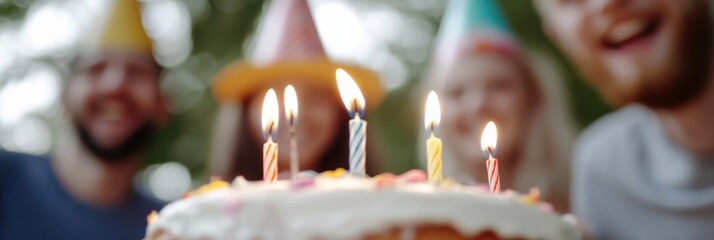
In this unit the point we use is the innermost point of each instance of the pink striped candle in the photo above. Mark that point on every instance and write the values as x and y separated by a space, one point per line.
270 161
488 146
494 179
269 121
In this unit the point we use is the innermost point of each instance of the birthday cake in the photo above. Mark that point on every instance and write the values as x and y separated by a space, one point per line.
337 205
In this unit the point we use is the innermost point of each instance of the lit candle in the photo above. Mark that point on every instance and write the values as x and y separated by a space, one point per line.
291 111
354 102
432 117
488 145
270 126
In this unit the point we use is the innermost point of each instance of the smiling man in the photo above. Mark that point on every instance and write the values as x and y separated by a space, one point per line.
645 171
114 104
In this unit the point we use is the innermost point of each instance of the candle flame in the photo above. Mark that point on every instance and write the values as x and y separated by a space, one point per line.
432 111
291 104
489 139
270 113
349 91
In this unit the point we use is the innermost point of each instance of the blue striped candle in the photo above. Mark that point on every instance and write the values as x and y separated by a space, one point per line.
358 141
354 102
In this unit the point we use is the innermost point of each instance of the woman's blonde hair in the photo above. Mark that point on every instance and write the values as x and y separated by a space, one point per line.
546 151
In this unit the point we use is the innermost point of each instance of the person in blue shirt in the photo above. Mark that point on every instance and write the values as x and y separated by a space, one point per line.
645 171
85 189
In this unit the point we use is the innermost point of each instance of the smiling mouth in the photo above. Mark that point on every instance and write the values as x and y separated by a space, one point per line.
629 33
112 111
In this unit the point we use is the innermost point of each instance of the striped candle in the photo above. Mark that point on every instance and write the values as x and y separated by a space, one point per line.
432 117
270 161
489 138
494 178
269 121
358 140
354 102
433 153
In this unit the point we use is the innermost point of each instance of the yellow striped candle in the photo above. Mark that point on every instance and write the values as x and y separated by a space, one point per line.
270 125
433 151
432 117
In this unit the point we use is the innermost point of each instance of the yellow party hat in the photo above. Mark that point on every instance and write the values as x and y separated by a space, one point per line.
121 30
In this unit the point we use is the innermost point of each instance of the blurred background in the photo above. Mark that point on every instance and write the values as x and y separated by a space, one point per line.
195 38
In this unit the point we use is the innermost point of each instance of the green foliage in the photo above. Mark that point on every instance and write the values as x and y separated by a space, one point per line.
11 11
218 38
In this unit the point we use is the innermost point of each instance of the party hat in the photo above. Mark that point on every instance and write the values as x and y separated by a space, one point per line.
121 30
471 27
288 47
287 33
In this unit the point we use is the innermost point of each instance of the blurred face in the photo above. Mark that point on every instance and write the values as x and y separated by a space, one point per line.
317 126
115 102
656 52
477 90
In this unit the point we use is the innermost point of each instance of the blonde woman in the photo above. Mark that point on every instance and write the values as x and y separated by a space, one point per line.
481 75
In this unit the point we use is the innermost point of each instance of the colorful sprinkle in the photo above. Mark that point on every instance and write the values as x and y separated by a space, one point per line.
337 173
385 180
534 193
528 200
449 183
152 217
532 198
413 176
186 195
239 181
482 187
215 184
302 183
232 204
546 207
510 193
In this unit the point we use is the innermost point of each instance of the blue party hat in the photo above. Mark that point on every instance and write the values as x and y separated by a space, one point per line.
472 27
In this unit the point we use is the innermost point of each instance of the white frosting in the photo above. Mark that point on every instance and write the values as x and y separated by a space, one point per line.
349 208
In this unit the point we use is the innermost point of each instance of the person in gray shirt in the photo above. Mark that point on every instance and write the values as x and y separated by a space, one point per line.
645 171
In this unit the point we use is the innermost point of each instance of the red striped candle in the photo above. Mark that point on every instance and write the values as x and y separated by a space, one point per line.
494 179
488 146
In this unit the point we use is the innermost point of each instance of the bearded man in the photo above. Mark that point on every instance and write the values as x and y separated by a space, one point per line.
645 171
85 189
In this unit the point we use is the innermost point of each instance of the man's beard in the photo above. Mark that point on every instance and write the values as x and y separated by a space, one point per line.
134 143
689 76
